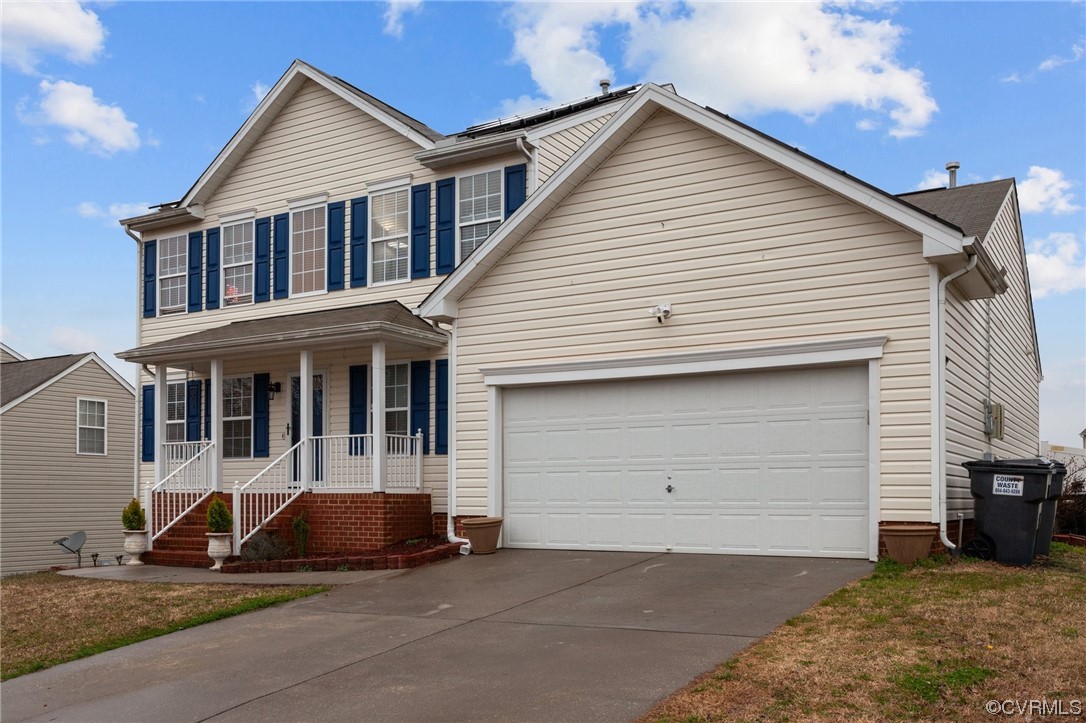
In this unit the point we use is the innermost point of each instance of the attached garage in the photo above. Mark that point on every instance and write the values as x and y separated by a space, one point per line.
760 462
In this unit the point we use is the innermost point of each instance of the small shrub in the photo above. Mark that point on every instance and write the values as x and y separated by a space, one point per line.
1071 508
263 547
300 525
132 517
343 568
219 518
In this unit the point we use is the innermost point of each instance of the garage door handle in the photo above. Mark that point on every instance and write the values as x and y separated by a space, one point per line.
669 488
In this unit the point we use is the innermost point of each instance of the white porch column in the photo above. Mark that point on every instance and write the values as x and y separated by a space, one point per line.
305 417
377 387
215 433
161 468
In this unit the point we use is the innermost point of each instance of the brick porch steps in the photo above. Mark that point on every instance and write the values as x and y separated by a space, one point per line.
178 558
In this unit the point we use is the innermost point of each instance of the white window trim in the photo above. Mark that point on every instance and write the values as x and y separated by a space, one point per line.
407 408
388 184
304 202
297 207
501 205
401 184
223 265
183 275
105 428
184 406
225 419
229 219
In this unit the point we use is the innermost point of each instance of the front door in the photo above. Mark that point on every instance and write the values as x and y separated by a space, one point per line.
317 427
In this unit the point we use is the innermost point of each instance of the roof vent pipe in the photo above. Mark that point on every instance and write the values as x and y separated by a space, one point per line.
605 86
952 168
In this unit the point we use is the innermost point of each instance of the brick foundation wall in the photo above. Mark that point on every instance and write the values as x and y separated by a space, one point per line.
351 522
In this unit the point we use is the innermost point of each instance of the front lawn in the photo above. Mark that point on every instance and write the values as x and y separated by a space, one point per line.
47 619
935 642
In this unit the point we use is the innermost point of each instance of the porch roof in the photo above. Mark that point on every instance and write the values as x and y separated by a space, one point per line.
388 321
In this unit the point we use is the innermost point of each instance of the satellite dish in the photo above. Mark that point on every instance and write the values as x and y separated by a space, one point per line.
73 543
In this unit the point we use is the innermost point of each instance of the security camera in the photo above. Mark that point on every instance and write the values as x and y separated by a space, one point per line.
661 312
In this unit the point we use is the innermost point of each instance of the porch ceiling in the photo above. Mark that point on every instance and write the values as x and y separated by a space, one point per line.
389 321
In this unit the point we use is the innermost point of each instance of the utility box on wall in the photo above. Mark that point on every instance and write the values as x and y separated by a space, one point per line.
993 420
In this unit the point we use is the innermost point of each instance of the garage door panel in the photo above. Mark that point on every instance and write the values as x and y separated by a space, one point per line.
760 463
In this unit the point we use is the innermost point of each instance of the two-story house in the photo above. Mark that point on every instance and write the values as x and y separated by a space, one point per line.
628 322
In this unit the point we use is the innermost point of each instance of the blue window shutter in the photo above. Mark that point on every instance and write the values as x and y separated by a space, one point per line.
211 295
336 230
446 225
147 444
282 252
359 219
207 409
420 231
192 411
260 415
150 268
196 271
420 402
441 406
516 187
358 385
262 254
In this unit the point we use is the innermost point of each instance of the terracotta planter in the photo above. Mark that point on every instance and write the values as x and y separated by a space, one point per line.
482 533
135 544
908 543
220 545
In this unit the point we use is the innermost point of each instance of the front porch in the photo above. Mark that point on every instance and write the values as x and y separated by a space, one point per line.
325 404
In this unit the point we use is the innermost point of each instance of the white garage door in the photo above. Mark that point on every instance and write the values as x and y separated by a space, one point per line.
760 463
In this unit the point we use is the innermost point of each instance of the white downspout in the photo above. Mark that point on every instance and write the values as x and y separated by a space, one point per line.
940 321
136 454
450 502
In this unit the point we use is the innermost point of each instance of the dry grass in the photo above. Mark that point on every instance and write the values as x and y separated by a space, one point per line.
931 643
46 619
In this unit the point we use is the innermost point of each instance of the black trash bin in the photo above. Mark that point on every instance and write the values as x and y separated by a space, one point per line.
1007 499
1047 524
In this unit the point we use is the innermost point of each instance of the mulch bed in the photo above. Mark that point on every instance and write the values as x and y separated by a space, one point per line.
397 556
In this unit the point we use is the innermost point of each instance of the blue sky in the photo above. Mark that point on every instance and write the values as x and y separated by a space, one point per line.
109 107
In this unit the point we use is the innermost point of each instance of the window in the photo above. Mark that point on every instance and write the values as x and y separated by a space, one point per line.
480 209
91 424
307 249
173 259
396 398
388 233
237 417
237 263
175 412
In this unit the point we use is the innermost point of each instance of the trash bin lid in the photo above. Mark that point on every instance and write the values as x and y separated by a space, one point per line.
1033 465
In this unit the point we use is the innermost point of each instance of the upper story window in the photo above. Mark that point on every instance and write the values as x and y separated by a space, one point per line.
237 263
237 417
396 398
175 412
388 235
91 426
173 259
480 209
307 251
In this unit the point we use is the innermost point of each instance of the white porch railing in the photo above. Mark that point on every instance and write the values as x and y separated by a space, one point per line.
266 495
346 462
186 486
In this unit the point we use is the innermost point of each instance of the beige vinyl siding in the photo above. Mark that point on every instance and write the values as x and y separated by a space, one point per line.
555 149
1014 377
48 491
6 357
336 368
746 253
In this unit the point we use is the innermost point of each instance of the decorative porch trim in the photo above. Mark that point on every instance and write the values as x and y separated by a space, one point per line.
718 360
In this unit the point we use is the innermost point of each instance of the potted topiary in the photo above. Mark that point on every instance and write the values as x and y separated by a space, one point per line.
134 522
220 541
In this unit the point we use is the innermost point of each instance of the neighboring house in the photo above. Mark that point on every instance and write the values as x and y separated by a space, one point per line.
626 323
67 440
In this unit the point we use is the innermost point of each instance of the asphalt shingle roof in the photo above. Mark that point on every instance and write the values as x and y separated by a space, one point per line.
971 208
19 377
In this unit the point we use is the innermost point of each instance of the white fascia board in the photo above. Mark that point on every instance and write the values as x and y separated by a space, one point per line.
832 351
88 358
12 352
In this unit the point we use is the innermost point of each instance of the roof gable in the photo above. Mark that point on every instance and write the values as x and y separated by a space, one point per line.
973 208
940 239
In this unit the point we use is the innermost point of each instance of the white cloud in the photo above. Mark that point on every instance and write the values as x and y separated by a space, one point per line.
1045 189
257 92
395 12
1011 78
933 178
1056 60
89 123
33 29
90 209
68 340
866 124
115 212
1056 265
751 58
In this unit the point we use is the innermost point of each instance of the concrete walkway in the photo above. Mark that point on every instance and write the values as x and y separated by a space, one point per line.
520 635
160 573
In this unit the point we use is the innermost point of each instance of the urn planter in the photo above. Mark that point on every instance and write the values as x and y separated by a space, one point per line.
220 545
135 544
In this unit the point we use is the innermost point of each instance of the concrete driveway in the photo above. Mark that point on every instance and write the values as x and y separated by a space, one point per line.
519 635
